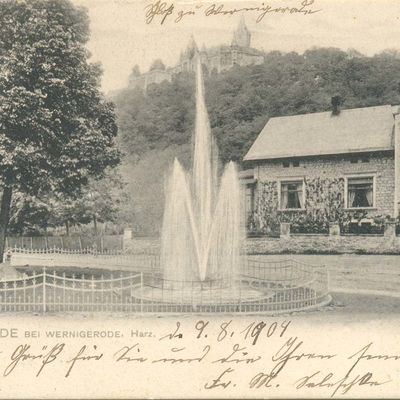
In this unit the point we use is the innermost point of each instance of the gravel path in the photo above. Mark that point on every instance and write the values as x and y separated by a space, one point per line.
353 272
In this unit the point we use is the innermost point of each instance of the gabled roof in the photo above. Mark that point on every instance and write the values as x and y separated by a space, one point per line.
354 130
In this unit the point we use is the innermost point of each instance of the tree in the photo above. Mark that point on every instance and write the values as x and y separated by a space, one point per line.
100 199
56 129
29 214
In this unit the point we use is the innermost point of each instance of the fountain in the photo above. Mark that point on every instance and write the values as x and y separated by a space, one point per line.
202 230
200 264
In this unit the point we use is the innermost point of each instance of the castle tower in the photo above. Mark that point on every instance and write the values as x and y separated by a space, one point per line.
188 60
191 49
241 36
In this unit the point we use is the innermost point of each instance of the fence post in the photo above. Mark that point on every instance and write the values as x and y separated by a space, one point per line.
44 290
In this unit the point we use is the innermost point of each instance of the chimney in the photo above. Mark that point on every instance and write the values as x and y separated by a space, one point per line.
335 101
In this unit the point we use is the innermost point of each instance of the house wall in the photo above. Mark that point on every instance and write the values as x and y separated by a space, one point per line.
381 164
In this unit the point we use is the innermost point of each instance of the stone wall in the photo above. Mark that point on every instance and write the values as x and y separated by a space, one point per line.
381 164
298 244
320 244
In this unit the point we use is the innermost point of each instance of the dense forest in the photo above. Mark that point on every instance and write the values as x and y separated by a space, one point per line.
157 125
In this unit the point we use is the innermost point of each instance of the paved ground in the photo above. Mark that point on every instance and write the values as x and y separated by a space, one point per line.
352 272
347 272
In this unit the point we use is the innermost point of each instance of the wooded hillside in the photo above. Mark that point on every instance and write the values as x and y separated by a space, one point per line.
240 102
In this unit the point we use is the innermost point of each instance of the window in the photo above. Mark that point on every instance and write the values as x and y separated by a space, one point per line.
292 195
286 164
360 192
296 163
250 200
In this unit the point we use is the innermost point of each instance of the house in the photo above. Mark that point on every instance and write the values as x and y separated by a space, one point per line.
325 167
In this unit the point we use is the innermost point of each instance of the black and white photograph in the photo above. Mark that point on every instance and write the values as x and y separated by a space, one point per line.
199 199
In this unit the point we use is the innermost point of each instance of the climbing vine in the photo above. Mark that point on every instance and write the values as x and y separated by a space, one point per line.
324 204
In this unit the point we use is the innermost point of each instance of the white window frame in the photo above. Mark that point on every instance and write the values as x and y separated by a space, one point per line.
346 184
252 187
303 192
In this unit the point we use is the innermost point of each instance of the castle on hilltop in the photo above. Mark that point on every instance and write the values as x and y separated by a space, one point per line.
214 59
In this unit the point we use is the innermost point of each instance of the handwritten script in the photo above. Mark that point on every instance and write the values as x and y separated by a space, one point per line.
225 357
162 11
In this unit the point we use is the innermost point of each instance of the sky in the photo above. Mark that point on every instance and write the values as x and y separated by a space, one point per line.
121 38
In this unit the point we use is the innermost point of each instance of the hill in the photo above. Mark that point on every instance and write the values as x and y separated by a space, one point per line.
155 126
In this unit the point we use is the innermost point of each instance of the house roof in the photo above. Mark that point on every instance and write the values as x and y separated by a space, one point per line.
353 130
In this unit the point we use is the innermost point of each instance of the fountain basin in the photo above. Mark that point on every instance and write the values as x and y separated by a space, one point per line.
194 294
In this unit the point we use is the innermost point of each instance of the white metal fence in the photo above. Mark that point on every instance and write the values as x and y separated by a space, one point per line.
48 285
103 242
87 258
53 292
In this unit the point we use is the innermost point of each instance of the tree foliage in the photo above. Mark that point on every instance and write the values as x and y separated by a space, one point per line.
99 201
56 129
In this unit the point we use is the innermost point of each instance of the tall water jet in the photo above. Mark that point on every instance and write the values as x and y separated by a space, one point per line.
201 228
205 166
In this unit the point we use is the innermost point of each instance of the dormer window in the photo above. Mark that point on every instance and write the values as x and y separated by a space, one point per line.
357 159
287 164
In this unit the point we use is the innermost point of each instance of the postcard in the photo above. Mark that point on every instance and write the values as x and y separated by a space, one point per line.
199 199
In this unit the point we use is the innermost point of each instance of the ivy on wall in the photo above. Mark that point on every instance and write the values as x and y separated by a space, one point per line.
266 217
324 204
